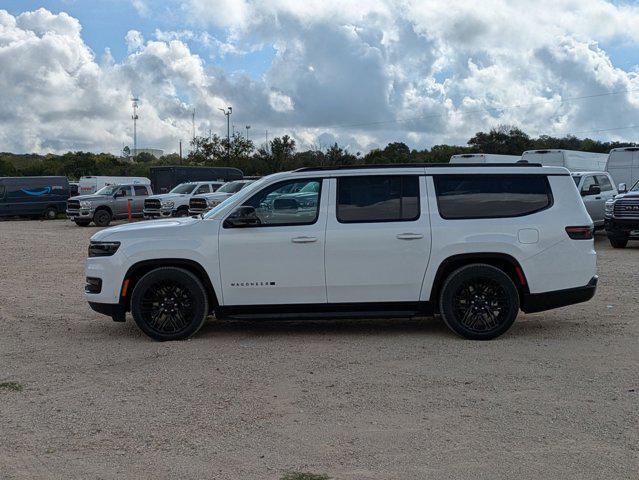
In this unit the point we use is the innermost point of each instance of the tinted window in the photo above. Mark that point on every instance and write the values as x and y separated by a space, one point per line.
280 204
202 189
140 191
589 181
2 190
125 191
604 183
491 196
378 198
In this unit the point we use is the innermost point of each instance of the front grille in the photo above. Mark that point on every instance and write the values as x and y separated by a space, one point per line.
152 204
627 208
73 205
198 204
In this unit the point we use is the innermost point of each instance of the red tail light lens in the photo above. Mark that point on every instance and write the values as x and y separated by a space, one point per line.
580 233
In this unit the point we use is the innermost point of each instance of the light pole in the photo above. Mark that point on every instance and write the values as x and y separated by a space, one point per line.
248 127
228 112
135 117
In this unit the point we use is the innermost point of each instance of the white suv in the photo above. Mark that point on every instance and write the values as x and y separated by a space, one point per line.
473 243
176 202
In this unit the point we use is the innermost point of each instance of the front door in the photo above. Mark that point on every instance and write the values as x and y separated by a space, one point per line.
121 202
279 260
594 202
377 238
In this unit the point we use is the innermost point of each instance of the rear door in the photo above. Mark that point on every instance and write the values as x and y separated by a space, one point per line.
141 192
377 238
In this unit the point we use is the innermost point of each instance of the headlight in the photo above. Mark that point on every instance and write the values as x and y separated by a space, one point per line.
610 206
103 249
168 204
85 204
212 202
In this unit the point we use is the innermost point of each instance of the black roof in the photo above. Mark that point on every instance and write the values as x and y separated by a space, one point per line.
418 165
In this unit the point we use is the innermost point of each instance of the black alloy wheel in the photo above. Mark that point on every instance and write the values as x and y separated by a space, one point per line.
479 302
169 303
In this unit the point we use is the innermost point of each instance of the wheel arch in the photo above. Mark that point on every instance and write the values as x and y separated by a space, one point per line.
507 263
104 207
139 269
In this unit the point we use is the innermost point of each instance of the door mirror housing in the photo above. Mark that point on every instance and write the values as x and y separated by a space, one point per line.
593 190
244 216
622 188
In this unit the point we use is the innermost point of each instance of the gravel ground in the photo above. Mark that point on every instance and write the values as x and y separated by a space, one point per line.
556 397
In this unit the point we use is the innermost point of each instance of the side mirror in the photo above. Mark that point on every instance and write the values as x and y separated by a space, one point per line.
244 216
593 190
622 188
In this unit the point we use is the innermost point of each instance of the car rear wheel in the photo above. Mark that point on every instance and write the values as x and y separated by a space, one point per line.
102 218
50 213
618 242
82 223
479 302
169 303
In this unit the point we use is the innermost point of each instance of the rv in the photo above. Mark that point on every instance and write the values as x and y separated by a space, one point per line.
484 158
42 197
88 185
573 160
623 166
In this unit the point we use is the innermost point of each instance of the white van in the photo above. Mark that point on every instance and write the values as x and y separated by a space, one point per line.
573 160
90 184
483 158
623 165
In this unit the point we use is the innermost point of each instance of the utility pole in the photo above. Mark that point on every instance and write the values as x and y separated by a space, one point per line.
135 101
193 122
228 112
180 151
266 144
233 129
247 129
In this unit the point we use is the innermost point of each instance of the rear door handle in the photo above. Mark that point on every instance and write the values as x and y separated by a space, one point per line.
409 236
304 239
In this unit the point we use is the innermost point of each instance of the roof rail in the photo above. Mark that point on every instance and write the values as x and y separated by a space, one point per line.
419 165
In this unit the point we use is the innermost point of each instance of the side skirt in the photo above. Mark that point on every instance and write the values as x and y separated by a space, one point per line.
312 311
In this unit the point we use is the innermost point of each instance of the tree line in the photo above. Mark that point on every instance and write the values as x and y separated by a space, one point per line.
281 154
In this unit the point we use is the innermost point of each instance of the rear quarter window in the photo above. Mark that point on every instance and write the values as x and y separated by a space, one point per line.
491 196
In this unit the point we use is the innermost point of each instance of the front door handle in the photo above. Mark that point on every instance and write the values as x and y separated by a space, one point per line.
304 239
409 236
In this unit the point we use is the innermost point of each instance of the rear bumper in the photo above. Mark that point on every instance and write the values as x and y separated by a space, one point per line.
538 302
116 311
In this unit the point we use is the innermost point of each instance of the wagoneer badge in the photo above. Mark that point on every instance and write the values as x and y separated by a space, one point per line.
252 284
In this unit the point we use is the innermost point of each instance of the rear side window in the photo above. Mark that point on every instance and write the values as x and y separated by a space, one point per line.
491 196
140 191
378 198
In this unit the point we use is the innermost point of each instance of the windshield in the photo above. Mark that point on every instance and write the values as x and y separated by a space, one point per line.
635 187
108 190
183 188
577 179
250 187
232 187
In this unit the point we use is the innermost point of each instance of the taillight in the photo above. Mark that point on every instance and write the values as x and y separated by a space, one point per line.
580 233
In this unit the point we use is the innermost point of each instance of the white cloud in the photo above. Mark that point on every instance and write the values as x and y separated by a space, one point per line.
360 73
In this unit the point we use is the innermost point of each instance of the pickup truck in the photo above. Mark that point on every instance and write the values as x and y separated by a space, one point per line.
622 216
108 203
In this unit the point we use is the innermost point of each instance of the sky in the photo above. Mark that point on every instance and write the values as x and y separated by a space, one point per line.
359 73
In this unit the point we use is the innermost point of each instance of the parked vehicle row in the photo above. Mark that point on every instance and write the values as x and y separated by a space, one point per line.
176 202
474 243
35 197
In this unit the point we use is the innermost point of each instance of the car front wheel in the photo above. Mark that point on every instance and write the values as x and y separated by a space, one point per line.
169 303
479 302
102 218
618 242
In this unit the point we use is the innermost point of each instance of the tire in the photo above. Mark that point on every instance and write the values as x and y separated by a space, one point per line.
169 303
479 302
102 218
182 212
50 213
618 242
82 223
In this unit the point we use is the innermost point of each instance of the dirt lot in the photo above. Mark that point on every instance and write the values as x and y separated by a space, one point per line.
556 397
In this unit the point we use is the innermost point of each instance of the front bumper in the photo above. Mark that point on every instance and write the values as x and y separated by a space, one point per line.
539 302
158 213
622 226
116 311
82 214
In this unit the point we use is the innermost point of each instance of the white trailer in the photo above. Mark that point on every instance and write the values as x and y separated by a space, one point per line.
573 160
91 184
623 165
484 158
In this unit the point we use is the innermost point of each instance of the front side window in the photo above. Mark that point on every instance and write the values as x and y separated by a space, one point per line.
491 196
589 181
202 189
378 198
278 205
124 192
604 183
232 187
